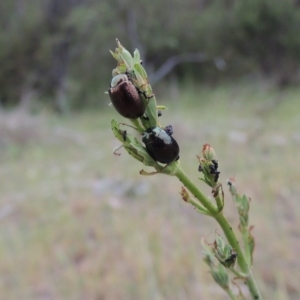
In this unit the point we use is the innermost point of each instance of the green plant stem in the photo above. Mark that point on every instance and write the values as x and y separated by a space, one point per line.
212 208
227 229
244 266
245 236
238 274
231 294
137 124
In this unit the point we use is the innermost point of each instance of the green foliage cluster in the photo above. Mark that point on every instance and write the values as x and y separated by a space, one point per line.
58 49
268 33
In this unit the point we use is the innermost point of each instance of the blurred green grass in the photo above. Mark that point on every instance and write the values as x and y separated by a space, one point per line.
78 222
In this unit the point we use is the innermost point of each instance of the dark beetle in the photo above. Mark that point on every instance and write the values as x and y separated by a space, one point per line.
125 97
160 145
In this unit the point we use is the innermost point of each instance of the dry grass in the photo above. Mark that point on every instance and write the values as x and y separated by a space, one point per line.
78 222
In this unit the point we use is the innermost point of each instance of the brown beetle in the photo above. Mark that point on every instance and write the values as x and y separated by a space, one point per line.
126 98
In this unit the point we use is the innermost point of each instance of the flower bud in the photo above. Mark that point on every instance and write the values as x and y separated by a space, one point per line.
208 152
225 254
221 276
185 195
125 55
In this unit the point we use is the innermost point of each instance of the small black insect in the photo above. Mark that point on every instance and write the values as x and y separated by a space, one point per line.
160 145
214 169
124 135
159 114
215 163
217 175
232 257
126 98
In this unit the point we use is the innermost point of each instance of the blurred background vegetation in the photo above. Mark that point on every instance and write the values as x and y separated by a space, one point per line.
77 222
57 51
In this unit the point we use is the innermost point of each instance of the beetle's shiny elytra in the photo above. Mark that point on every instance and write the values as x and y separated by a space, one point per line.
126 98
160 145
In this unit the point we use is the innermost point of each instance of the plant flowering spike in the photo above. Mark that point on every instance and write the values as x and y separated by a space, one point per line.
160 145
126 98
